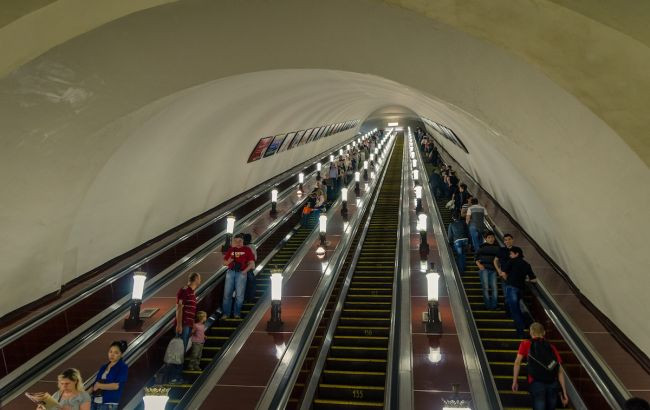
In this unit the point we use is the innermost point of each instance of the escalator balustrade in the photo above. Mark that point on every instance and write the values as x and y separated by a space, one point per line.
354 375
221 330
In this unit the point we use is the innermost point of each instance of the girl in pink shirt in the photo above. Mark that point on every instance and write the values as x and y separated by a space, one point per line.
198 339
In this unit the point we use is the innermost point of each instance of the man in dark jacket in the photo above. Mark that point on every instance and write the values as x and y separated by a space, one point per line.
500 262
436 183
457 234
460 197
515 273
487 272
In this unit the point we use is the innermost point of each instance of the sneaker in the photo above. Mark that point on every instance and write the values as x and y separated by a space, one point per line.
236 317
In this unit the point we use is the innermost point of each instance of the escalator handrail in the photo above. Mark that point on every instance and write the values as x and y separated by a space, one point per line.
14 333
310 389
276 395
393 399
85 334
601 374
479 374
211 374
204 289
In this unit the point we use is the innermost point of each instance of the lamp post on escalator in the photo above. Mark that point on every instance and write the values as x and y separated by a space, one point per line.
319 167
134 321
274 202
344 201
433 322
275 323
422 227
322 229
301 181
418 198
357 179
230 229
365 170
155 397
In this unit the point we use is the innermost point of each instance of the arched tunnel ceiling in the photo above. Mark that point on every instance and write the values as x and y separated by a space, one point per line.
597 50
163 89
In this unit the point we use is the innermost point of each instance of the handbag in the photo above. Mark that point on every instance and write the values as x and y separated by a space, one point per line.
175 353
450 204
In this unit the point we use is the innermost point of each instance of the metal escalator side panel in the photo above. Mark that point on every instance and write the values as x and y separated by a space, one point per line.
482 386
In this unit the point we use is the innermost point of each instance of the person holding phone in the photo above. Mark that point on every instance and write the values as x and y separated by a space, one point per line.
110 380
240 260
70 396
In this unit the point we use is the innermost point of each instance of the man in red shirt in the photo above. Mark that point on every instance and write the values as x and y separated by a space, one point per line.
240 260
544 367
186 307
185 312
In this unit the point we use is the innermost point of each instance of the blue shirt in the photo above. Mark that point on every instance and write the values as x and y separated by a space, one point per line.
118 374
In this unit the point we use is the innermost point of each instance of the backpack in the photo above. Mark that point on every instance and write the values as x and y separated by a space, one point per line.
175 353
542 363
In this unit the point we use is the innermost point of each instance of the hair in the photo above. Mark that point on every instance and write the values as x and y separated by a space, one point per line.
636 403
201 316
508 236
517 250
193 276
537 330
488 233
120 344
248 238
464 186
474 201
74 376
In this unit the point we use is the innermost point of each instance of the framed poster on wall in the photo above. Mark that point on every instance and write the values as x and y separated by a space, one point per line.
313 135
299 136
287 142
274 145
307 136
318 136
259 149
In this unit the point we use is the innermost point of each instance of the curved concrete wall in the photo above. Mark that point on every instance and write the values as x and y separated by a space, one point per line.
126 119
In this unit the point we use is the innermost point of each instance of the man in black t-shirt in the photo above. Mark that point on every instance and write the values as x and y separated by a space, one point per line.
503 257
516 272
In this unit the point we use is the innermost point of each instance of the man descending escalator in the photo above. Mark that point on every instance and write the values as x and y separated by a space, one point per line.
485 255
457 234
515 273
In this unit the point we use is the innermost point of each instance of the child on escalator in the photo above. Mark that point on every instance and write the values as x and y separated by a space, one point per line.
198 339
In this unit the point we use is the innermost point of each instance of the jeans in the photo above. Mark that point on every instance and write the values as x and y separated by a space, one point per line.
505 304
436 190
235 281
98 406
513 295
489 285
544 395
195 356
185 335
476 235
459 250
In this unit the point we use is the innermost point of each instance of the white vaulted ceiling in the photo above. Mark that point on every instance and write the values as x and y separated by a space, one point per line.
118 122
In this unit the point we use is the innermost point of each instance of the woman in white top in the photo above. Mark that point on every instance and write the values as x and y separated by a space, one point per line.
70 396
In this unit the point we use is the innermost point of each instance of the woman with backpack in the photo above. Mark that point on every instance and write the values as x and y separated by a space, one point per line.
544 367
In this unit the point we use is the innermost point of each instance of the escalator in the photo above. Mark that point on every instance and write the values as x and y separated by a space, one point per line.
354 372
222 330
497 332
